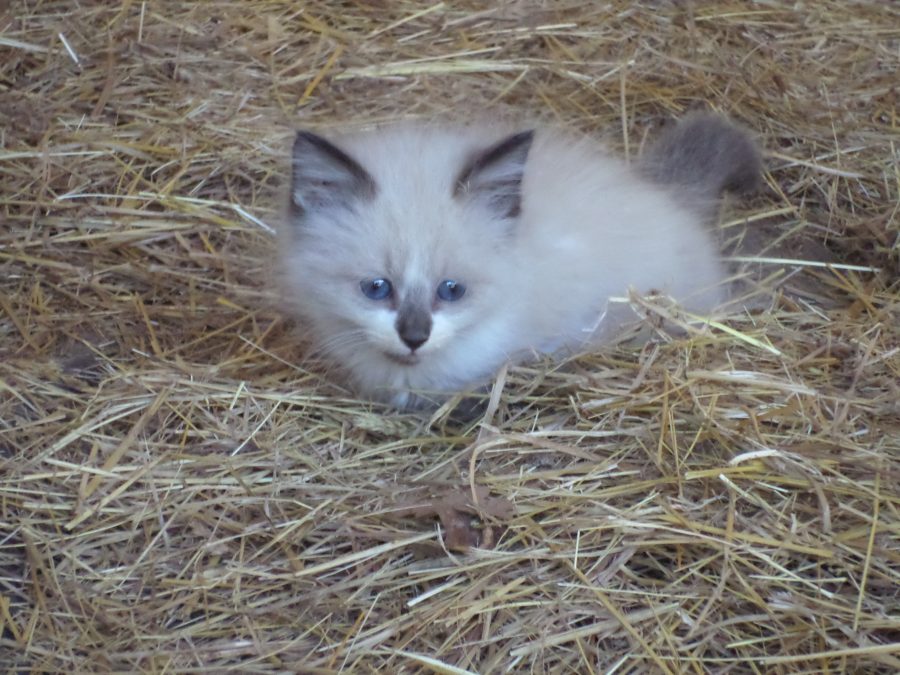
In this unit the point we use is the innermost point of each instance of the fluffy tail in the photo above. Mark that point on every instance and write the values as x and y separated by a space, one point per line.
704 154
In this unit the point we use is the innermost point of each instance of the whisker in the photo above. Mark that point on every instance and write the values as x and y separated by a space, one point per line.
341 340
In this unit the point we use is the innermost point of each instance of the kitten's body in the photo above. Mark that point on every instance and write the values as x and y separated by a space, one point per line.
541 230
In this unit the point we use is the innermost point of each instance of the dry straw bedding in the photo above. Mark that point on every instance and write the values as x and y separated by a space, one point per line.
182 491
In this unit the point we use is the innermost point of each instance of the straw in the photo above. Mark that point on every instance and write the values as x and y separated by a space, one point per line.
182 489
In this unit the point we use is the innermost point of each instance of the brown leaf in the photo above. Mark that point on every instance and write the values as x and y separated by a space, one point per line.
461 516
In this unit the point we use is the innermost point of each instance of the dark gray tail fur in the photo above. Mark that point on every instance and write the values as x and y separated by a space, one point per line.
704 154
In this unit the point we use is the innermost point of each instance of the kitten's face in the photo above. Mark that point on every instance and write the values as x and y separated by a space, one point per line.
395 257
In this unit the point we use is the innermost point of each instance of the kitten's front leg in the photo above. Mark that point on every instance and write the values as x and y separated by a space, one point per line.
402 400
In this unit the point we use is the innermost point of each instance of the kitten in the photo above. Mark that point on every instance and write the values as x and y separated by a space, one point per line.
421 258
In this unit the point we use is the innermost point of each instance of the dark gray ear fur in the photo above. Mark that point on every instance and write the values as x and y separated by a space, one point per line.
495 175
324 176
705 154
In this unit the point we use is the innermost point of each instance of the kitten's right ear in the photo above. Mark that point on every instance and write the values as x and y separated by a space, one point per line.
495 175
324 176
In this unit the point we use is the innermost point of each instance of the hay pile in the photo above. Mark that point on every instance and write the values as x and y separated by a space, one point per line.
181 491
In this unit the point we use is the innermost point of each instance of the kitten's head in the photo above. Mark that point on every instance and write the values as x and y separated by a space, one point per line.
391 246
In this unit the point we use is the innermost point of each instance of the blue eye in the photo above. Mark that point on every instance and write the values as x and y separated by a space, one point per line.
376 289
450 290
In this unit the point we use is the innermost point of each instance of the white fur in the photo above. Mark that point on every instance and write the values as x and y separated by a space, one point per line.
590 228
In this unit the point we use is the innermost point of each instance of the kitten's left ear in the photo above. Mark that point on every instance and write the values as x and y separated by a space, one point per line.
324 176
495 175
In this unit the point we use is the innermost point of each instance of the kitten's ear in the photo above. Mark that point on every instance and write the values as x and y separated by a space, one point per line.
324 176
495 175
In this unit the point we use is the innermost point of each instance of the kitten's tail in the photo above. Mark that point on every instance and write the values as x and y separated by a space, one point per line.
705 155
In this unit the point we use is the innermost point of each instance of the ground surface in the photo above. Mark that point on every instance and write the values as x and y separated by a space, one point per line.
180 490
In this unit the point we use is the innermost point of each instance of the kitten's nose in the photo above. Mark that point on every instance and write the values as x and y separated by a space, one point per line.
413 326
414 334
413 343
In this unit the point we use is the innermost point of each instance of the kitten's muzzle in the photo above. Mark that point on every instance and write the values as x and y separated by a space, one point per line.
402 359
413 325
